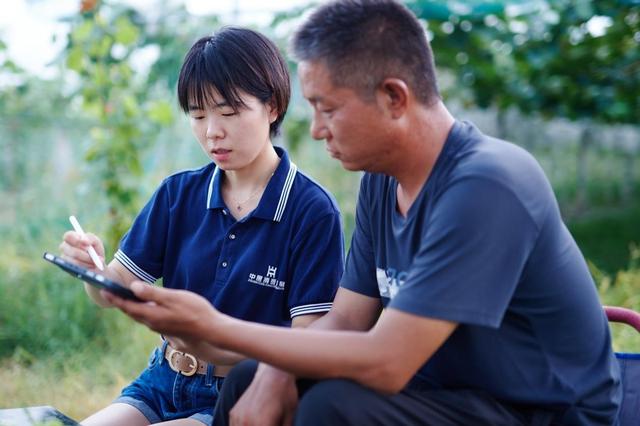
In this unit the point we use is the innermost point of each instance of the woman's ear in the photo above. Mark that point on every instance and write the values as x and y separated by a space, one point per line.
272 110
394 95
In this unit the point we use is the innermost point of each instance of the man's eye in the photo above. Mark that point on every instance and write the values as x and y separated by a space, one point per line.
197 117
228 114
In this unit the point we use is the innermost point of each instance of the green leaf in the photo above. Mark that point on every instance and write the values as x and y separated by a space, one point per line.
161 112
93 106
101 75
126 32
75 59
130 105
104 46
82 32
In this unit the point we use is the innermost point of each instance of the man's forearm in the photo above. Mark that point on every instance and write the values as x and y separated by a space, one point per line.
314 321
383 358
333 320
313 353
215 355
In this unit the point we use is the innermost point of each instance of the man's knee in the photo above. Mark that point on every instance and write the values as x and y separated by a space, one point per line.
240 376
328 402
236 382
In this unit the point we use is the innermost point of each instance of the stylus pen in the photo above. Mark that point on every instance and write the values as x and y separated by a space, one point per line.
91 250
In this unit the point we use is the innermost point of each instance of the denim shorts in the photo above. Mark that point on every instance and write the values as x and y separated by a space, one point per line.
161 394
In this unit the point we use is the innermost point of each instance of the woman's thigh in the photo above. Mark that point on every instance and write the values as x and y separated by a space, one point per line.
116 414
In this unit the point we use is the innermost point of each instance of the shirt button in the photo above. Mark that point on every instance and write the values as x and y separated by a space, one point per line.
224 264
232 236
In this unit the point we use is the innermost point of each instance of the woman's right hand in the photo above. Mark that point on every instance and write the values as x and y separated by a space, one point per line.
74 249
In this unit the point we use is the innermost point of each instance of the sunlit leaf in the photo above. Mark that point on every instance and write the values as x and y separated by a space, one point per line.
126 33
161 112
130 105
82 32
75 59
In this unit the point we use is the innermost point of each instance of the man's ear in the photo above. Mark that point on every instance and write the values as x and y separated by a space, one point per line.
394 95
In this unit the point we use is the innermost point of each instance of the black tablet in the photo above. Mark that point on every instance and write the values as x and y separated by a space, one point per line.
96 280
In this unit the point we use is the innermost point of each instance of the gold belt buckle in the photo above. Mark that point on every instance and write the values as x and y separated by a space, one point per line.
191 358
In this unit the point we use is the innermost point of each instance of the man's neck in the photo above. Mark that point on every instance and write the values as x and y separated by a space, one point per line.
424 140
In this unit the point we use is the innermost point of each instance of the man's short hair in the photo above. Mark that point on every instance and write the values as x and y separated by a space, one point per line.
362 42
233 60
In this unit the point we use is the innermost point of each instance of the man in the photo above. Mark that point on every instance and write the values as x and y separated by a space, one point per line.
491 314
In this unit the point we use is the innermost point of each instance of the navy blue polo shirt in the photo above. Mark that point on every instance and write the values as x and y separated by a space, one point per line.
283 259
484 245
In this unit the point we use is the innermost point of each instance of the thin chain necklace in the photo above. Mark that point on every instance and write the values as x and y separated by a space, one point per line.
239 203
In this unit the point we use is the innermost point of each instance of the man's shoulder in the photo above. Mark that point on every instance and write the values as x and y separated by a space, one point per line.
503 164
489 169
493 157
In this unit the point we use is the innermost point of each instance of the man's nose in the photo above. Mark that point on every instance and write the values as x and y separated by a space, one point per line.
318 128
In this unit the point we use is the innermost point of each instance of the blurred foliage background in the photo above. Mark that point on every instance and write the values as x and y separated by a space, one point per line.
561 78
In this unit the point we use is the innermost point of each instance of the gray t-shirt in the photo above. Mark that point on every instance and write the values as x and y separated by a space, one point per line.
484 245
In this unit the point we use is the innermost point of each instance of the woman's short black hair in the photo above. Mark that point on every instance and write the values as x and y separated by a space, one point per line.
230 61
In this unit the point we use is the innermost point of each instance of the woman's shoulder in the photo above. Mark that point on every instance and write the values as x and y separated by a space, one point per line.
184 185
308 193
190 177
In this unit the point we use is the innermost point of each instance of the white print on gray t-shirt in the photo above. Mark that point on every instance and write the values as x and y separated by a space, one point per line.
389 281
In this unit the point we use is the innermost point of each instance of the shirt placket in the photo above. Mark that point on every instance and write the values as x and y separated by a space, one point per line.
227 258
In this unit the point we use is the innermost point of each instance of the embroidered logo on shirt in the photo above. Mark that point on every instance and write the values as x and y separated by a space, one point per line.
271 271
389 281
268 280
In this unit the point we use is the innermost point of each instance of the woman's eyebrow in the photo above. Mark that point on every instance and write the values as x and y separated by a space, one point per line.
215 105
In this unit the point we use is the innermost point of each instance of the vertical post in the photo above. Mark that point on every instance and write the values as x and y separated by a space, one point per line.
629 177
501 123
582 170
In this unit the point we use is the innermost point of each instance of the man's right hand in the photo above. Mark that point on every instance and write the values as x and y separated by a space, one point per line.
270 400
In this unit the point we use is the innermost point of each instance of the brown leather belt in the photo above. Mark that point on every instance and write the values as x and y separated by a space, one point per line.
188 365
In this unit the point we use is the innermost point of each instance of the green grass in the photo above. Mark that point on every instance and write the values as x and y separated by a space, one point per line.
622 289
606 239
80 380
57 348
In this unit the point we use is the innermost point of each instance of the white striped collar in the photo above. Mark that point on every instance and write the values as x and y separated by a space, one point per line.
274 201
213 183
284 193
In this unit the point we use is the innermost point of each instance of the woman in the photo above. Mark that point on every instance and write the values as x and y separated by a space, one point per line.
252 234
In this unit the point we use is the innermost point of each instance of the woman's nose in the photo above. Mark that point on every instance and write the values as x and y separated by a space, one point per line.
214 129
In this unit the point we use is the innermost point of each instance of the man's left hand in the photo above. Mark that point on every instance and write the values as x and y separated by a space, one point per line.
270 400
